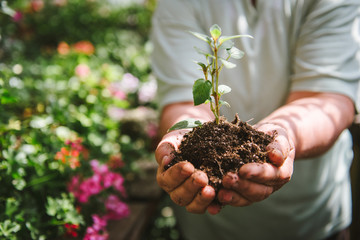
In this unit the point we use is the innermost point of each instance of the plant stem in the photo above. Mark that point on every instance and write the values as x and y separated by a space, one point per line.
215 93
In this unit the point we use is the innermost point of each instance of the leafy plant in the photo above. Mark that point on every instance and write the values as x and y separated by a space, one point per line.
208 89
67 142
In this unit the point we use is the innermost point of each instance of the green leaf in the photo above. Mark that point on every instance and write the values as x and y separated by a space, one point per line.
11 206
201 91
6 98
226 38
187 123
201 36
227 64
202 65
221 102
202 52
223 89
8 228
227 45
215 31
235 53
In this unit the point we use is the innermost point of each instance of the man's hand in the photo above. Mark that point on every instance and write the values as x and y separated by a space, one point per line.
255 182
186 186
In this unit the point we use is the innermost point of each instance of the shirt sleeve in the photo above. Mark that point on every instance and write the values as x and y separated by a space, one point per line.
327 56
173 53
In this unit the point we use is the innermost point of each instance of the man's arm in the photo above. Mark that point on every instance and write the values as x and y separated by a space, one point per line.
309 122
313 120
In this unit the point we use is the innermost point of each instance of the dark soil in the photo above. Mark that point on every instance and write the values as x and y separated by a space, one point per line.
220 148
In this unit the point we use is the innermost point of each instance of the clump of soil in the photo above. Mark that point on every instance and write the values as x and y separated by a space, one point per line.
220 148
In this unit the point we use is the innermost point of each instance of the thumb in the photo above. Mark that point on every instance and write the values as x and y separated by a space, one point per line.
169 143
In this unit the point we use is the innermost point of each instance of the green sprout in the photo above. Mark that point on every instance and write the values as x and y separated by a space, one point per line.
208 89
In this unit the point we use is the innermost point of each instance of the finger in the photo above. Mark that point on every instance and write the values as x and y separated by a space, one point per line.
214 209
162 150
174 176
202 200
244 191
169 143
268 174
278 150
232 198
186 192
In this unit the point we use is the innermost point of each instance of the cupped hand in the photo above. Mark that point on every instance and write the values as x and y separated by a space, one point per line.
256 181
186 186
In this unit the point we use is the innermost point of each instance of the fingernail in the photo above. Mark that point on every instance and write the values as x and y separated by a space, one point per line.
166 160
227 197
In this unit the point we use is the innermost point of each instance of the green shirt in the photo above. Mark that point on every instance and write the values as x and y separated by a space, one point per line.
298 45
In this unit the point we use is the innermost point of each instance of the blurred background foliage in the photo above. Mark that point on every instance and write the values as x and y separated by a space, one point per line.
75 86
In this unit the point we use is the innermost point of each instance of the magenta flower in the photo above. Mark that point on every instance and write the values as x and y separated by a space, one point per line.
92 185
116 209
98 168
99 222
17 16
110 178
118 185
93 234
73 185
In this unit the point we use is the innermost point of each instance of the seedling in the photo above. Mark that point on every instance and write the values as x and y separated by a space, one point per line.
208 89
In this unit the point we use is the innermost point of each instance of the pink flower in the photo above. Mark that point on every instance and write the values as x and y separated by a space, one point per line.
108 179
82 70
98 168
99 222
92 185
79 193
17 16
116 209
147 91
129 83
74 183
93 234
84 190
116 113
152 130
112 179
75 144
116 91
118 184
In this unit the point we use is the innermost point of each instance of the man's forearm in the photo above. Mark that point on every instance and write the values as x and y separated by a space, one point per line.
313 120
